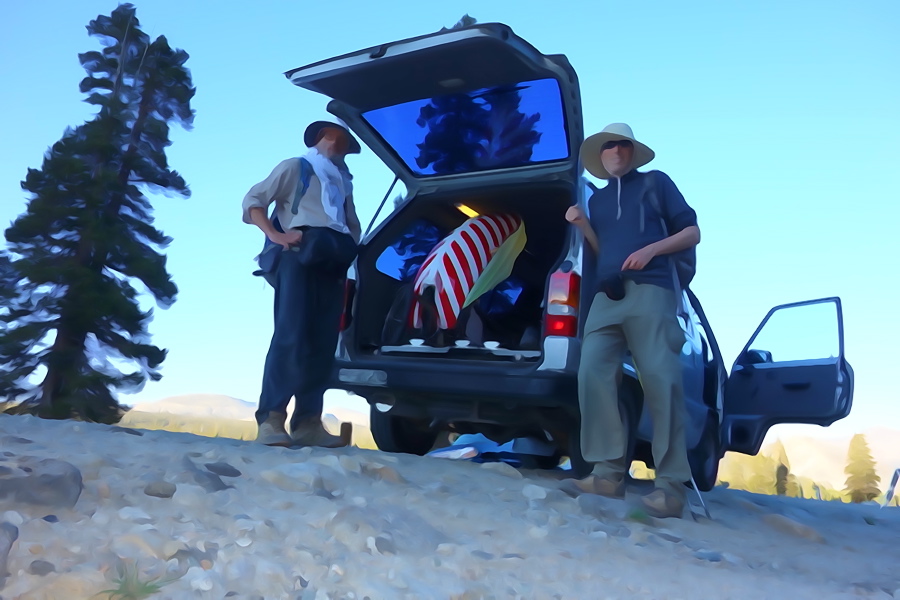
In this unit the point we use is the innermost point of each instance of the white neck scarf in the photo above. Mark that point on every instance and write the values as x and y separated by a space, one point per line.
334 185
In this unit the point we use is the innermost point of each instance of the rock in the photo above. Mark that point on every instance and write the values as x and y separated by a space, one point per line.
9 533
750 506
789 526
503 469
385 544
222 469
41 568
51 518
482 554
135 514
709 555
13 517
534 492
538 533
350 463
668 536
294 477
160 489
384 472
208 481
40 481
14 439
594 506
127 430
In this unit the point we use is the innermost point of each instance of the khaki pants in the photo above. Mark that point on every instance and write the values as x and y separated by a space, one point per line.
644 321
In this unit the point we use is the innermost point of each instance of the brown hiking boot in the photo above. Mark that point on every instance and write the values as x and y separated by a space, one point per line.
311 432
602 486
271 432
663 505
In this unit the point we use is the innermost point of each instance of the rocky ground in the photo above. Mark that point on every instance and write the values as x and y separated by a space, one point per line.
89 508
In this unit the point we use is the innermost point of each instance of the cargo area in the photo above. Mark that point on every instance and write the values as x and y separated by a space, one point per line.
505 323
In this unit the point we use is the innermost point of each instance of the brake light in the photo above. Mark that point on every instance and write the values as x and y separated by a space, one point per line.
562 304
347 313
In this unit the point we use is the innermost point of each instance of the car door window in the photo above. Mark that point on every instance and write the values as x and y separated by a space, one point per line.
797 333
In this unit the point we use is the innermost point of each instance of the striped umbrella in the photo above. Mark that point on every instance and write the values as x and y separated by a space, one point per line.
474 258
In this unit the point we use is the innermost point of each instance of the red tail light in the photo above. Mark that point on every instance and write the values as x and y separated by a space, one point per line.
347 313
562 304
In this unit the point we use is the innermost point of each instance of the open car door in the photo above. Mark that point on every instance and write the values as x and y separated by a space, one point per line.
791 371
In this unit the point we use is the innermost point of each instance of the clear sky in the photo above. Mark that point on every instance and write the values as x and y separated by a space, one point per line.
778 121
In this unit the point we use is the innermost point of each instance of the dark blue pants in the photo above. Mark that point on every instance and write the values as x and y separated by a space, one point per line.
308 306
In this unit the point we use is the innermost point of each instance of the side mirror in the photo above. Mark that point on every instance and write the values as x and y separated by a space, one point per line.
755 357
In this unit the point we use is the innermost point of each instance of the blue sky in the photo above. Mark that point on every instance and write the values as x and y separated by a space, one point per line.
778 121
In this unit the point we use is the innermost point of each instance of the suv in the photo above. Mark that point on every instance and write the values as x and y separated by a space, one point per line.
477 121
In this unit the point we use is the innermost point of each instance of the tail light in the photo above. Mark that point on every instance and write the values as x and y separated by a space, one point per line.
562 304
347 313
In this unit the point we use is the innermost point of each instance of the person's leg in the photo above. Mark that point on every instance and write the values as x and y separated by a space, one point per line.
603 439
316 360
281 373
321 325
655 340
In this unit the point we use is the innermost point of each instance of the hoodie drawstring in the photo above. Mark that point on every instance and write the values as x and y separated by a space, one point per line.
619 199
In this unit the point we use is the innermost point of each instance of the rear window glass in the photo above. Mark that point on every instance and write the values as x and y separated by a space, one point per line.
493 128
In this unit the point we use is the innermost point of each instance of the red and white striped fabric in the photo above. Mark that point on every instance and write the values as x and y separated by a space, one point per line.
454 265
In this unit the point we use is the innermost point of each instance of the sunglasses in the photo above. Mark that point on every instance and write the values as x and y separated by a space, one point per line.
612 144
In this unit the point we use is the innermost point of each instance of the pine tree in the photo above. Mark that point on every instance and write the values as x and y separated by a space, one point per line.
862 481
786 483
87 239
476 131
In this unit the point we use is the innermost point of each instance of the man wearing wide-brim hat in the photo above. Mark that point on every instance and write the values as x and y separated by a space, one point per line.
638 224
310 192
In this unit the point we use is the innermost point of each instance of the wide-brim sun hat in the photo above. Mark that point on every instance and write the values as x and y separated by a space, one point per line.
590 149
312 132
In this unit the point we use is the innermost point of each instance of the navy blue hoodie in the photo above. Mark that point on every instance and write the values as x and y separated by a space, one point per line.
625 221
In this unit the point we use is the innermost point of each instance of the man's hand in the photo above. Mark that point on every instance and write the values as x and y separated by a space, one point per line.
575 215
638 260
287 239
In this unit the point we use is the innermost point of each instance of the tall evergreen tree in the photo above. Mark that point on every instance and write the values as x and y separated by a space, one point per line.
862 480
86 247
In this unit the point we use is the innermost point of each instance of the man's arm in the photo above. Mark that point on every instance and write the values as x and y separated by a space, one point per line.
678 216
260 219
256 202
684 239
576 217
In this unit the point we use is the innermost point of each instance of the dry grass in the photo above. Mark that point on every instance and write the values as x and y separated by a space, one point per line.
225 428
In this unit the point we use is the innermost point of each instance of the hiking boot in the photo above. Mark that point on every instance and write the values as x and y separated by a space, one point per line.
311 432
663 505
602 486
271 431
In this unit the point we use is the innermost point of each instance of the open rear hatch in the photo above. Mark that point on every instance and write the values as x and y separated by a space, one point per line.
464 102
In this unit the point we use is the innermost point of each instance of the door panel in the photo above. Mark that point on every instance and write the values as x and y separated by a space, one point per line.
792 371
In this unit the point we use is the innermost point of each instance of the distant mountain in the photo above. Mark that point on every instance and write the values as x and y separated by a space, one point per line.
823 460
226 407
201 405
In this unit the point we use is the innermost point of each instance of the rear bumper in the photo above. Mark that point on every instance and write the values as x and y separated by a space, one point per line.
477 392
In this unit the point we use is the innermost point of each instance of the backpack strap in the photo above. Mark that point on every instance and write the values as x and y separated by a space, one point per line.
651 193
306 173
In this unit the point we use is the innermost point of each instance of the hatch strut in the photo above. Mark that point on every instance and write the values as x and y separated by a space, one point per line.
380 206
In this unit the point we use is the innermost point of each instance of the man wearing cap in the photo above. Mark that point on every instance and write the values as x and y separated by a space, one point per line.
636 309
308 302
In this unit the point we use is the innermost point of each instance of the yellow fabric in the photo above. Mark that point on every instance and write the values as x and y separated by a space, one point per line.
499 266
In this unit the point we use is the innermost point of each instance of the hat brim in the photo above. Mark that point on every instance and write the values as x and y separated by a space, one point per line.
312 132
590 153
